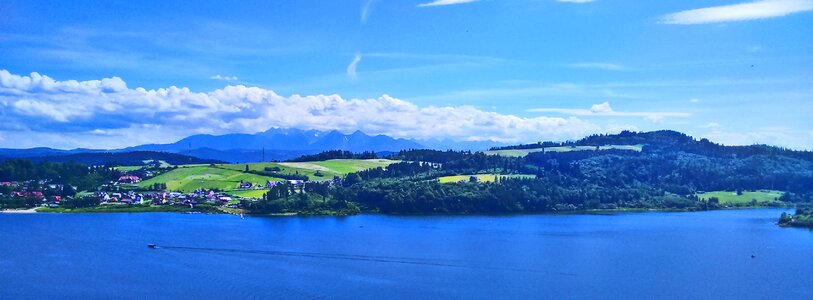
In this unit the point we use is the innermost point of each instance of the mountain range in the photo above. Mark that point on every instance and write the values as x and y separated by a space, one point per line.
273 144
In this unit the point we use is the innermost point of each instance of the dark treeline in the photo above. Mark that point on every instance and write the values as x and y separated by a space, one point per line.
670 141
531 146
274 172
309 198
336 154
70 173
133 158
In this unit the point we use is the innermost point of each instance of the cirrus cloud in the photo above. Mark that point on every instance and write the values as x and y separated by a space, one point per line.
444 2
760 9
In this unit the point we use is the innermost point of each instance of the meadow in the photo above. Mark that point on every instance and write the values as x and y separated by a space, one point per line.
525 152
480 177
731 197
327 168
227 176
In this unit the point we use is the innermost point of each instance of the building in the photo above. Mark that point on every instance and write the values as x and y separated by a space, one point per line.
129 179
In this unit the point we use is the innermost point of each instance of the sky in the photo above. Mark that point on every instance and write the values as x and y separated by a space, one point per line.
111 74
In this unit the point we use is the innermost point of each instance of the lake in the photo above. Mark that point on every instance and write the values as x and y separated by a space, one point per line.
698 255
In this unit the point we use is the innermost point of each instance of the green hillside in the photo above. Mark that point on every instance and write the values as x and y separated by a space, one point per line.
228 176
524 152
190 178
328 168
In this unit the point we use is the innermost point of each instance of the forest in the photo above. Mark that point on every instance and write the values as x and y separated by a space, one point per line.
666 174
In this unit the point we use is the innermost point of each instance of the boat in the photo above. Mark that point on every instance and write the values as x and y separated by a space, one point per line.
152 246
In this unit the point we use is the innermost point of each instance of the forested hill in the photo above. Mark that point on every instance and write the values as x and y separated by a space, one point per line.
669 172
135 158
669 141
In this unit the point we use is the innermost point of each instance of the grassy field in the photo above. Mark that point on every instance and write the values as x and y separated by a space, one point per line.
227 176
249 193
188 179
729 197
480 177
328 168
524 152
128 168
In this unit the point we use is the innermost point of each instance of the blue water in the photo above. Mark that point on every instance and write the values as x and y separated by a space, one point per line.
702 255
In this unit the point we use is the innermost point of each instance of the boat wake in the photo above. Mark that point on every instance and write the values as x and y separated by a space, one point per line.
367 258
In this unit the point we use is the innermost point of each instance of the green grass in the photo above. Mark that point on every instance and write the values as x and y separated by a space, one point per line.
226 177
730 197
249 193
328 168
161 163
525 152
187 179
480 177
81 194
128 168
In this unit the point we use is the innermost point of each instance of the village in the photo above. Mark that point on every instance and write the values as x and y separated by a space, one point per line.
126 191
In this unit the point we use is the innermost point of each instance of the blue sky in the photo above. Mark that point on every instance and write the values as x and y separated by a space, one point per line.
735 71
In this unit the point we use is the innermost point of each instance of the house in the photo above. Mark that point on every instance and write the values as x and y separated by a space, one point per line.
246 185
296 182
129 179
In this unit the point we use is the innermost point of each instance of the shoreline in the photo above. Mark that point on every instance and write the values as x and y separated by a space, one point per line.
19 211
238 212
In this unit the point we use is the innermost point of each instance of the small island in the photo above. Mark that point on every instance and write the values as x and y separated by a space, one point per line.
802 218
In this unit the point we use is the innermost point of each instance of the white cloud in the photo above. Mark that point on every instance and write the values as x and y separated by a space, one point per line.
654 118
712 125
224 78
599 65
601 108
695 100
351 68
444 2
40 111
754 48
766 135
760 9
605 110
365 10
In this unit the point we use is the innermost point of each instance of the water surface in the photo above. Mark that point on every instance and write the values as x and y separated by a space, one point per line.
701 255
